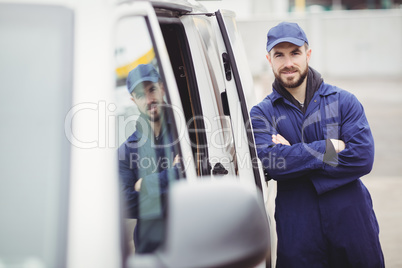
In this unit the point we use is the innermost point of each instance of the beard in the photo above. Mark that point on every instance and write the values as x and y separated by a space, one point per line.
153 116
291 83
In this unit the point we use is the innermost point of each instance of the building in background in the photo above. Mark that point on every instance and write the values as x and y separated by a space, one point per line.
347 4
257 8
345 39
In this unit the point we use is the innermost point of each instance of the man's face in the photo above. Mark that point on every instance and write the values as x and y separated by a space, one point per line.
289 64
148 99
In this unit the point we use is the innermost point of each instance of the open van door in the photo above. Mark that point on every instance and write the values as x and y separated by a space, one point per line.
147 158
238 79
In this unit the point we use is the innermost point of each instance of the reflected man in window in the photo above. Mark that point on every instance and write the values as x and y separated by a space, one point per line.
147 161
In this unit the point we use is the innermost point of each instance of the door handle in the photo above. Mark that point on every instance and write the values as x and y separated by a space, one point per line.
226 66
219 169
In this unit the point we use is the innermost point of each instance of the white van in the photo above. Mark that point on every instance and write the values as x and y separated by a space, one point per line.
65 111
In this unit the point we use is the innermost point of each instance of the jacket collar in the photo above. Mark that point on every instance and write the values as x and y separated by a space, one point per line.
136 136
274 96
324 90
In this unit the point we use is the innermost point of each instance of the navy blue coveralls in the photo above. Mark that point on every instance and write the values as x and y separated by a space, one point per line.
150 158
324 213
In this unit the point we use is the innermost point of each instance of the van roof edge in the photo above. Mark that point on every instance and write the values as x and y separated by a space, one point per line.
183 9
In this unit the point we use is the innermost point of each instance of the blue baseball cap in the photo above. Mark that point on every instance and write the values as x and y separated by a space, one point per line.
286 32
140 74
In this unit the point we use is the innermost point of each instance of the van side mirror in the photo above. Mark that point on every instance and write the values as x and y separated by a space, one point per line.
212 223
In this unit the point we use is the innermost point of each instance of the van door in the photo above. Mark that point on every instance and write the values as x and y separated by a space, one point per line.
204 70
153 144
237 80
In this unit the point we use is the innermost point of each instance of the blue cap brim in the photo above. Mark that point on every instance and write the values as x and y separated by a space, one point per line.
143 79
292 40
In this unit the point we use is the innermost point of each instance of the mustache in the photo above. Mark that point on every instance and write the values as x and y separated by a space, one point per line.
152 104
288 69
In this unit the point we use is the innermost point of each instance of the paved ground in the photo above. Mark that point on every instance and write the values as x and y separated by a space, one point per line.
382 99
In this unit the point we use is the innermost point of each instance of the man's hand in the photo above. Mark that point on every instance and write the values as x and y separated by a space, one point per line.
176 160
137 185
278 139
338 145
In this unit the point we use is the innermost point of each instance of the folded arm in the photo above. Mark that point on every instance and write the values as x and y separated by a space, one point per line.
356 159
280 159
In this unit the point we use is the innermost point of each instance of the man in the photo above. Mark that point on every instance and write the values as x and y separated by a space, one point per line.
147 161
324 213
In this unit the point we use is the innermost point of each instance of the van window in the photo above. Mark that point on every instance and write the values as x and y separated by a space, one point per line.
36 52
149 153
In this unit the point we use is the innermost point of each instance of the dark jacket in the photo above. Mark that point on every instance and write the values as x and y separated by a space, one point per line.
151 158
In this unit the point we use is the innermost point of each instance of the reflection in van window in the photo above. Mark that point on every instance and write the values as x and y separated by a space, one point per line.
148 157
